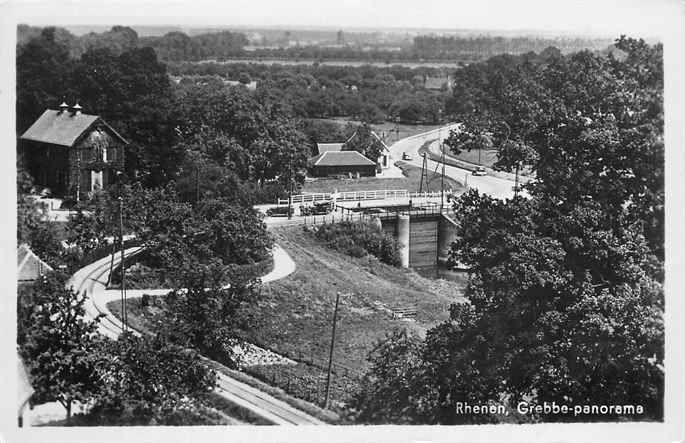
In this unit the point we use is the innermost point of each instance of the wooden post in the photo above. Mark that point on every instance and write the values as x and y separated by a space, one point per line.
330 354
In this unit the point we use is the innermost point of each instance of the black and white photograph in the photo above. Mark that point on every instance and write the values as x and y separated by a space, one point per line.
353 218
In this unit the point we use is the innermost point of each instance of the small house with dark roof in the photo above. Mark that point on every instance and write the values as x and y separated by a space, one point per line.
330 163
72 153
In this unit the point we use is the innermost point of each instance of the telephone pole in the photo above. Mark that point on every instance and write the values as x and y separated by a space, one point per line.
290 186
197 184
123 271
442 178
330 355
424 173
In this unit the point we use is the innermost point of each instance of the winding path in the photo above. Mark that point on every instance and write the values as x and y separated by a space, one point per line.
91 280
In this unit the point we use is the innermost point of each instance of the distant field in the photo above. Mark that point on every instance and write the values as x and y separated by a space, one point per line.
353 63
410 182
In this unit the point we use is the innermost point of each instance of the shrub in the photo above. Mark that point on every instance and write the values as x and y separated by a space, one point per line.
359 239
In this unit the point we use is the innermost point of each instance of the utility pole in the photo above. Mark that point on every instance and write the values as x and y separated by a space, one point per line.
123 272
442 178
424 173
197 184
330 355
290 186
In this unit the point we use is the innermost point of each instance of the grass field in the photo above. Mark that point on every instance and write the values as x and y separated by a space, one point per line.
410 182
297 310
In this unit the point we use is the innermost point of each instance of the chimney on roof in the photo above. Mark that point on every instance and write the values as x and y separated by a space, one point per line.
76 109
63 108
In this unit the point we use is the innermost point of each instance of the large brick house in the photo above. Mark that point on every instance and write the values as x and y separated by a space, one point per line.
72 153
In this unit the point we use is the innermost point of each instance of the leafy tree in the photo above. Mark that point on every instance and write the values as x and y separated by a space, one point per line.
43 76
204 314
132 92
56 342
565 291
32 227
148 381
390 392
365 142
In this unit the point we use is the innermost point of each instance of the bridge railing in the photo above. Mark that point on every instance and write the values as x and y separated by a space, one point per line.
306 198
380 194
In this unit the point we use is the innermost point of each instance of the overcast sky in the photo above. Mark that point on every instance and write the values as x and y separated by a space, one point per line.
608 17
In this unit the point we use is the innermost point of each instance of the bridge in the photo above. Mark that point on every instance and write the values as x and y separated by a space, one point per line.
424 234
423 228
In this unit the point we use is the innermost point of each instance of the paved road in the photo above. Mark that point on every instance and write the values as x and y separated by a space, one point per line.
494 186
92 280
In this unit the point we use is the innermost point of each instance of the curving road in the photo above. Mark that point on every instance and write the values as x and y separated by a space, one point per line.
487 184
92 279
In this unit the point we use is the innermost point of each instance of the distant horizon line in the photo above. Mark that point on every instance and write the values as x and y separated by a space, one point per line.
492 32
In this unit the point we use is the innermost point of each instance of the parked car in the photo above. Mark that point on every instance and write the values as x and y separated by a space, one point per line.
320 208
406 156
480 170
279 211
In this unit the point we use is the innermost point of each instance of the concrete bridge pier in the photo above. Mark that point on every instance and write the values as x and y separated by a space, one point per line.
402 232
446 235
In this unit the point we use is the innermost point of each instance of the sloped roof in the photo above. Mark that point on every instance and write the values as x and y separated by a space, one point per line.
329 147
62 128
373 133
341 158
29 266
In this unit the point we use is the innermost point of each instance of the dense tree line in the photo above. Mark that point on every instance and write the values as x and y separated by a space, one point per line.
366 93
456 49
481 47
179 46
565 293
220 45
171 46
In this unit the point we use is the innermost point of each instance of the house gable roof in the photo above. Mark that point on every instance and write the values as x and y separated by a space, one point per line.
62 128
329 147
341 158
29 265
373 133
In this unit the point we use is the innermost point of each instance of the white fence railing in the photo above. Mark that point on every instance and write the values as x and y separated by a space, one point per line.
382 194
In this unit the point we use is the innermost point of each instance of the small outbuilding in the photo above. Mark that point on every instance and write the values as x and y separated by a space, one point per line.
330 163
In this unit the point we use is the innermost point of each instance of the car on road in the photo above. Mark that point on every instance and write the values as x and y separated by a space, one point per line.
479 171
406 156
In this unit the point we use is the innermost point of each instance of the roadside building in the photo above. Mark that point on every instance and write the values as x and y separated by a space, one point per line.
336 163
72 153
